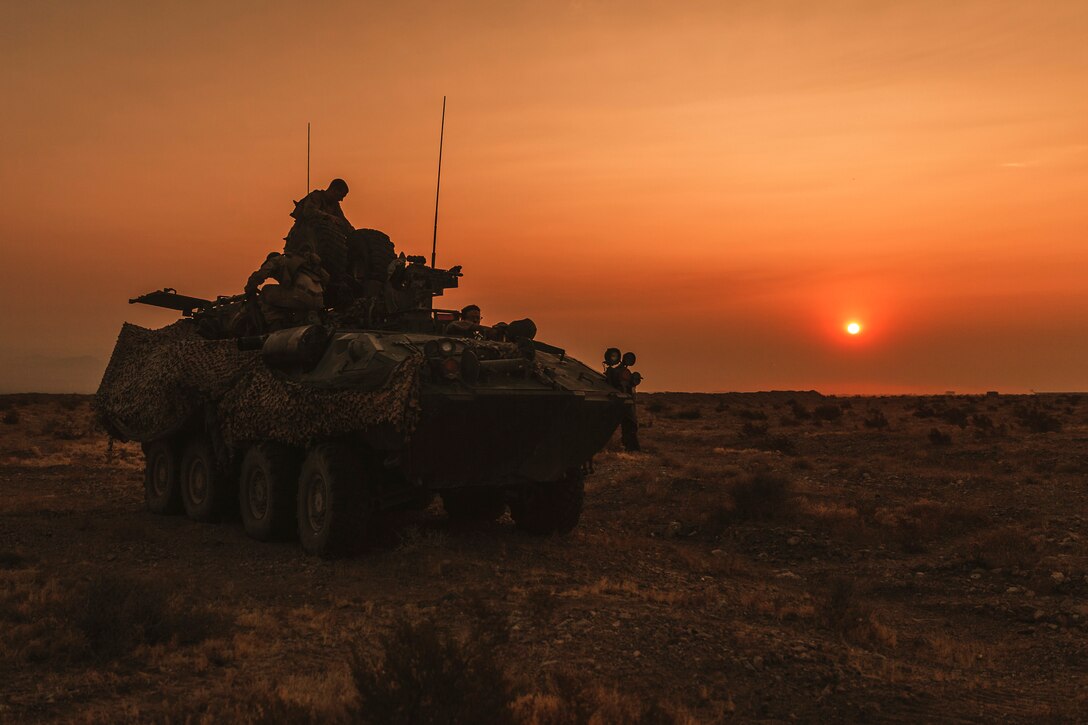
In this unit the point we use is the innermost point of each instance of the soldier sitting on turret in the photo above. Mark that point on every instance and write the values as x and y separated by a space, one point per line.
299 296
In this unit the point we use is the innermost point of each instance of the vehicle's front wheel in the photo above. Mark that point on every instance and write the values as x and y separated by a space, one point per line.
333 510
267 491
205 487
162 490
547 508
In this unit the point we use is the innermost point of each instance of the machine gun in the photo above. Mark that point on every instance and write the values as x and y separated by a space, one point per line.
168 298
412 274
211 316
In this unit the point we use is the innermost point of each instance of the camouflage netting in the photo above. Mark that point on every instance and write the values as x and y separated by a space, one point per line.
157 380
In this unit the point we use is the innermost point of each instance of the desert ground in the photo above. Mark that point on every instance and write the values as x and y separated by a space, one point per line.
768 556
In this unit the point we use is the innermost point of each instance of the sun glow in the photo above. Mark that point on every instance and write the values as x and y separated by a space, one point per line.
853 328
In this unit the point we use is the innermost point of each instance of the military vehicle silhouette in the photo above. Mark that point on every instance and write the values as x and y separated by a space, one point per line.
315 430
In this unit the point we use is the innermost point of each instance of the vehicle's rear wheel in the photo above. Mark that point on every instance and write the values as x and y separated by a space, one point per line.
333 508
546 508
162 490
267 491
474 504
205 488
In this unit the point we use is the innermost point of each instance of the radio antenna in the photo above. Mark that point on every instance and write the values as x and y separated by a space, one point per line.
438 187
307 157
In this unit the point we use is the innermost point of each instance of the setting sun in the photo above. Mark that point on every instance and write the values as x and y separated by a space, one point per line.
853 328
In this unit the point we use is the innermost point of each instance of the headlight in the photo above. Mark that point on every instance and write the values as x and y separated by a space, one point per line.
628 359
450 368
612 356
446 347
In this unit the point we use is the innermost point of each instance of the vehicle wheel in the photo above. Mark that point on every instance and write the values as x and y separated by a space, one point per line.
333 511
204 487
267 489
546 508
474 504
162 490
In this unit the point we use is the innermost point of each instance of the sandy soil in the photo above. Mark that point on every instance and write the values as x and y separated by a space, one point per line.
777 556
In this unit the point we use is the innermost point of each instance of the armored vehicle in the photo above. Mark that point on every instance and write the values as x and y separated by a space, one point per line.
316 429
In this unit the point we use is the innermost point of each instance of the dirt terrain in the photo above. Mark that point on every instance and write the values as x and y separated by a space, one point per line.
772 556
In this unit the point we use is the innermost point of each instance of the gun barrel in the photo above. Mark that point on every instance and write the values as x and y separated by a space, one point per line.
169 299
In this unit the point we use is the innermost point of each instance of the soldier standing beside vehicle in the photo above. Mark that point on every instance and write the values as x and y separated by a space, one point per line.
622 378
299 296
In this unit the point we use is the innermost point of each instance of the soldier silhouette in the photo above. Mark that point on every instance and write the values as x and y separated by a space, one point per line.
296 299
619 374
321 228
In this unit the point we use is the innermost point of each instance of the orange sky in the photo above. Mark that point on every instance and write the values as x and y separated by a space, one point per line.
717 186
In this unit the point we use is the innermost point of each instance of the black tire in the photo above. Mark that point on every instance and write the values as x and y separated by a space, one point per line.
474 504
372 252
548 508
267 491
333 508
331 244
205 488
162 488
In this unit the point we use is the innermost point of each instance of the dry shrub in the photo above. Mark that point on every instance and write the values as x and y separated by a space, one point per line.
1006 547
828 412
116 614
261 705
757 496
691 413
11 417
938 437
753 430
955 416
427 674
916 525
769 602
837 520
567 699
64 430
800 412
779 443
845 610
982 421
656 406
761 495
951 651
1036 419
875 419
13 559
750 414
923 410
104 618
